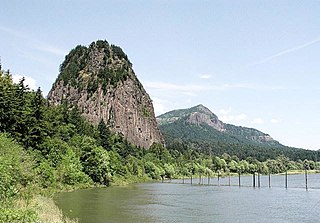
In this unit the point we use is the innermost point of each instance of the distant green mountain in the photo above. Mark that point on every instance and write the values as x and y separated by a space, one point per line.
200 128
200 123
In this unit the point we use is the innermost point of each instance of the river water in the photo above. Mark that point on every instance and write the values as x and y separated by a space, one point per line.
176 202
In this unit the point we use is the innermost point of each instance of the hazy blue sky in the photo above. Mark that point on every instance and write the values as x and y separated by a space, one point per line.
253 63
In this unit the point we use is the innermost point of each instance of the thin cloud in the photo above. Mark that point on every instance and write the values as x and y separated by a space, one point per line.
52 50
205 76
194 88
258 121
228 117
32 55
29 81
34 43
233 118
170 86
189 93
287 51
159 106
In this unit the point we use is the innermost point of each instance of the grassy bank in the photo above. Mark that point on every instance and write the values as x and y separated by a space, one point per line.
48 212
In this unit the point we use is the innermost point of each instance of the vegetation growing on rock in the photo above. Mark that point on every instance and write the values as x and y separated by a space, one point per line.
100 82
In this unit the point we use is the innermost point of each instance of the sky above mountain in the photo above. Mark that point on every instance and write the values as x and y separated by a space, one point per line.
253 63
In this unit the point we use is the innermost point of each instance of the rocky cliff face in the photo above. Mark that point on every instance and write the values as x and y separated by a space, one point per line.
197 115
100 81
203 115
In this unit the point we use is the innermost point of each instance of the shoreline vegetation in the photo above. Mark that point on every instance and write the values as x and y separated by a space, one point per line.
46 149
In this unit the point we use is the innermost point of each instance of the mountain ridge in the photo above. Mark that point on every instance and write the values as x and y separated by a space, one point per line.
200 115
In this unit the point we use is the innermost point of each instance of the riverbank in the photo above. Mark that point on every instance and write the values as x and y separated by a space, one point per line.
47 211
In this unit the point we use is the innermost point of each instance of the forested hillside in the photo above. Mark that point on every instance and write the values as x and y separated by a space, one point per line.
201 129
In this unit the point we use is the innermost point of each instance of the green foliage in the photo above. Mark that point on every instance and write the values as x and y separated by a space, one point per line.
16 172
53 150
210 141
103 44
160 153
70 169
146 113
152 170
169 170
219 164
104 135
96 163
119 52
16 168
47 174
232 166
92 86
134 166
108 76
74 62
76 72
17 215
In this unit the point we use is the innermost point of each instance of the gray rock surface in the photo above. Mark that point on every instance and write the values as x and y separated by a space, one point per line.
121 102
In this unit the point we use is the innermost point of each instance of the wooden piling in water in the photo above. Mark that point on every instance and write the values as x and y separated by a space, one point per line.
219 178
239 179
269 180
191 179
259 180
254 180
208 179
306 176
286 180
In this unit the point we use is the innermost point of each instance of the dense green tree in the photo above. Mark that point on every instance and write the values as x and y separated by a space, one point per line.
47 174
53 149
16 168
169 170
96 164
70 169
160 152
104 135
37 124
219 163
153 171
232 166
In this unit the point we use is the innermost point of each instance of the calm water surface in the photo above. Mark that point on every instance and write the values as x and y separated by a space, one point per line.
164 202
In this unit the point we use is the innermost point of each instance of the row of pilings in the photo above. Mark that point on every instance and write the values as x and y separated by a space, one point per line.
256 180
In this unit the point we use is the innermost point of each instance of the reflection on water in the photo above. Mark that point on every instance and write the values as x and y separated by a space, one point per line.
164 202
